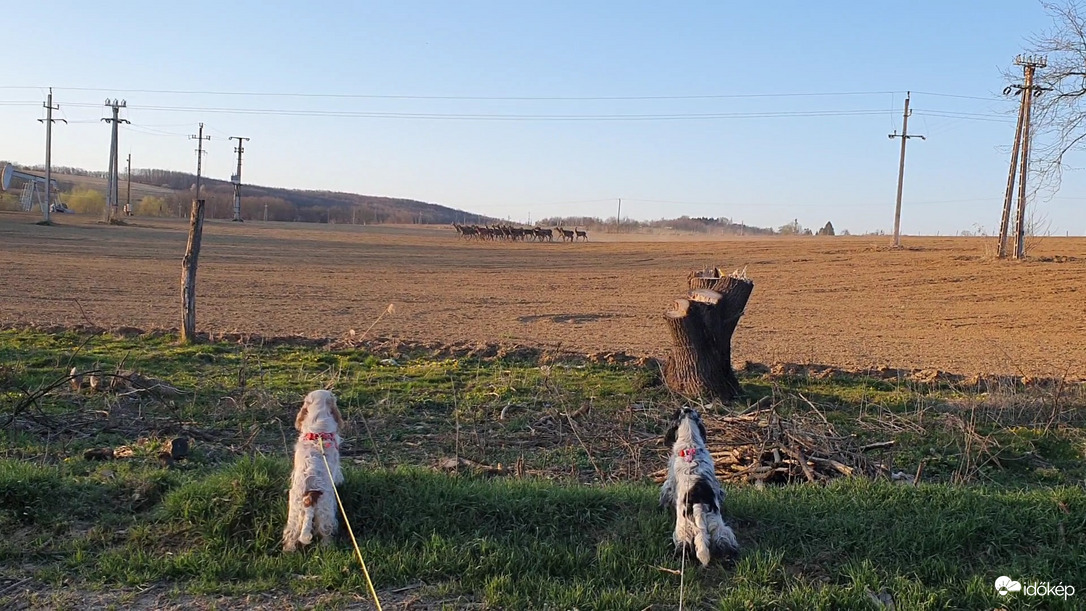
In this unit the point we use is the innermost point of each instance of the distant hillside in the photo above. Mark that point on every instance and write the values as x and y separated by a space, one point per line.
171 192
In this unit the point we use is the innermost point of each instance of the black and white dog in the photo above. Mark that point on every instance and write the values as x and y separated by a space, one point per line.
692 489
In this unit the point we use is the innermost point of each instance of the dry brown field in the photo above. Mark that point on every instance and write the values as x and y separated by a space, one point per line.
851 302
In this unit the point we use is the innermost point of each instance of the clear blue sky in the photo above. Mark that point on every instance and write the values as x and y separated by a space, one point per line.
418 88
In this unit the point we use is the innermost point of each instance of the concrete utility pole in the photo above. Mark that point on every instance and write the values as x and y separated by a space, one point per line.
904 135
128 196
112 197
236 178
1020 156
199 138
48 120
192 251
618 216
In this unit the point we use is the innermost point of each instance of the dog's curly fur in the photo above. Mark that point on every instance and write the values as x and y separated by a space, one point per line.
312 501
692 489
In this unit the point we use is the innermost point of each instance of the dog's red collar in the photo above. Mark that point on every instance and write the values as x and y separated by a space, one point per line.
329 439
687 454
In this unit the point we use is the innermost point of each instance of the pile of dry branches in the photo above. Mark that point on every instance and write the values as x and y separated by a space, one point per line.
762 446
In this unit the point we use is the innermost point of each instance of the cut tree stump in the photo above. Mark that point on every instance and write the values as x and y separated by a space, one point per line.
701 326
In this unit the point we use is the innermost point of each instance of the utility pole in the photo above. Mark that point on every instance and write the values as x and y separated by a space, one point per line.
48 120
618 216
905 135
1020 156
236 178
112 197
128 196
199 138
1004 224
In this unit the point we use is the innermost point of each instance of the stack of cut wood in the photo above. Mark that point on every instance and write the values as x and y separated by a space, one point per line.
763 446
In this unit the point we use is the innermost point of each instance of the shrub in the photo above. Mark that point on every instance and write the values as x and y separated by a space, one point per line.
86 201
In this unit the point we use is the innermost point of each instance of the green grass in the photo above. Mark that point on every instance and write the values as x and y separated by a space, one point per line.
581 529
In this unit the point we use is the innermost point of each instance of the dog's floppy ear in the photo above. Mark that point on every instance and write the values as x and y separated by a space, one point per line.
335 413
701 429
672 432
302 413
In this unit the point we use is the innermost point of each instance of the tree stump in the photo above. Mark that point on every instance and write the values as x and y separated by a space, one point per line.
701 326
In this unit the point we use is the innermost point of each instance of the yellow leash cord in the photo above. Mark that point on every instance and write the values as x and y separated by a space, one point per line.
343 512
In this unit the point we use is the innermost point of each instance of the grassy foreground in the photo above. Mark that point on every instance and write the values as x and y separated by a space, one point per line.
574 525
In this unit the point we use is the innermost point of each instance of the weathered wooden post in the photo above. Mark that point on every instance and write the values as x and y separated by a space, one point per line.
188 272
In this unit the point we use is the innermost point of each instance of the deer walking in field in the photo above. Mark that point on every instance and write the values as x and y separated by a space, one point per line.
566 234
581 234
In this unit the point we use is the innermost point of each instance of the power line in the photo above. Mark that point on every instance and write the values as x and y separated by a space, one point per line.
510 117
488 98
992 98
964 116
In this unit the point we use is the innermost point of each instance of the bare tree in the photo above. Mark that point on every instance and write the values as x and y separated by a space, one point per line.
1059 114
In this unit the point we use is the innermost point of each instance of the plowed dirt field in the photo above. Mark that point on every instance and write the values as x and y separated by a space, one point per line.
941 303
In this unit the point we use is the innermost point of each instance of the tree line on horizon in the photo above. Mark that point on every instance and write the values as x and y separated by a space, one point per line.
306 206
697 224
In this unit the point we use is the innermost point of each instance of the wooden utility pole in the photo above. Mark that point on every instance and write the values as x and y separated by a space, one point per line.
905 135
1008 198
112 197
1020 156
49 120
192 251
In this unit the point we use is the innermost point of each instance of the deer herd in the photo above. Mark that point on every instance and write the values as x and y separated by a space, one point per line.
508 232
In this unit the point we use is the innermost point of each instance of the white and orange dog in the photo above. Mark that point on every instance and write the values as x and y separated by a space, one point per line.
312 501
692 489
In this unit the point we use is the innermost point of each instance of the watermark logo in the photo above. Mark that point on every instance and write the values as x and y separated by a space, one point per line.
1005 585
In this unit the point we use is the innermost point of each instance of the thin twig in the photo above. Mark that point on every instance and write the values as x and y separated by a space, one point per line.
391 309
373 442
13 586
84 313
591 459
817 411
